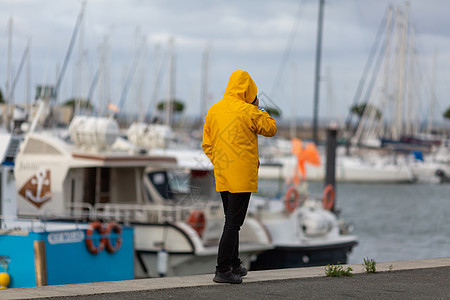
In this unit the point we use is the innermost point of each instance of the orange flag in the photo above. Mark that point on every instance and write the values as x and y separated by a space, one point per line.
112 107
307 153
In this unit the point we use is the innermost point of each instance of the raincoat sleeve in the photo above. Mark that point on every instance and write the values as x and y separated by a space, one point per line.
206 142
263 123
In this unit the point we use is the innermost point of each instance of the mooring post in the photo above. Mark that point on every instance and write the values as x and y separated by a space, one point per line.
40 263
330 175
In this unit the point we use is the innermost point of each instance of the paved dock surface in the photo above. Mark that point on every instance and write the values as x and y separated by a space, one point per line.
418 279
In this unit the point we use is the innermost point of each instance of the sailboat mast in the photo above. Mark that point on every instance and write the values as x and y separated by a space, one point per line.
293 123
386 79
140 91
6 109
80 73
399 110
28 78
102 73
157 80
317 72
55 92
409 85
432 99
204 87
8 62
171 90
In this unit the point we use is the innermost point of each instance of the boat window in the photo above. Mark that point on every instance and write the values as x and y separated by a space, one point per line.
38 147
104 174
160 181
89 180
184 186
202 186
96 185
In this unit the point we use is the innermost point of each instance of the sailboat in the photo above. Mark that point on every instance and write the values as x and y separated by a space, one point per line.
388 131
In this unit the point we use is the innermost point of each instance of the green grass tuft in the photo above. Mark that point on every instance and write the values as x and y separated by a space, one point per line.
337 271
370 265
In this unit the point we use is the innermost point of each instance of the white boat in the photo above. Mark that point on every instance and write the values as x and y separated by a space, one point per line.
349 168
39 250
303 233
433 167
376 169
307 235
91 173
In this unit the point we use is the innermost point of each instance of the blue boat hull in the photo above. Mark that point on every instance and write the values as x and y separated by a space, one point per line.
65 258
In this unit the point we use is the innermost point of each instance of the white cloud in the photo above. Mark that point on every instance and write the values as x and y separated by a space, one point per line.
241 34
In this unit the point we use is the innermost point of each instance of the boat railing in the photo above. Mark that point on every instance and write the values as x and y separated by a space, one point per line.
154 213
38 223
13 223
210 208
141 213
80 210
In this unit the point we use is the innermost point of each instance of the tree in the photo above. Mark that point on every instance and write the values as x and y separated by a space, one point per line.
84 104
359 109
447 114
177 106
2 100
273 112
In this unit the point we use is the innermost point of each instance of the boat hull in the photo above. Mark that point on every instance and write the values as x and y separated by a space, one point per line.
180 264
186 253
302 256
60 256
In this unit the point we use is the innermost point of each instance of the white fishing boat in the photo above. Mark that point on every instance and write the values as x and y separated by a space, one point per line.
91 173
40 250
303 232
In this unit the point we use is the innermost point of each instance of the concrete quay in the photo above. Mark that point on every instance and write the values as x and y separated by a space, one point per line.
415 279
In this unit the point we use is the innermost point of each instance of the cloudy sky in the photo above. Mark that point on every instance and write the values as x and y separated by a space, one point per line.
274 40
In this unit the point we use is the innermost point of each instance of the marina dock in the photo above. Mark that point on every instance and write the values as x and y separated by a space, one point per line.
415 279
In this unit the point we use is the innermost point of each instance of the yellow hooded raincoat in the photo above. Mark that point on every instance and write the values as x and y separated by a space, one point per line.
230 135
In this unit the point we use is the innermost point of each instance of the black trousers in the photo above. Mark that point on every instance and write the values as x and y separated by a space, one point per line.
235 208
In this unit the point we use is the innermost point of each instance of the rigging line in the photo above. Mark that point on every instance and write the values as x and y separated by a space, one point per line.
68 54
92 87
288 48
131 72
264 97
16 78
140 87
367 67
157 84
372 81
424 74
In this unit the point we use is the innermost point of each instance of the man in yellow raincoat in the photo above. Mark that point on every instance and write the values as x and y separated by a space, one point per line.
230 140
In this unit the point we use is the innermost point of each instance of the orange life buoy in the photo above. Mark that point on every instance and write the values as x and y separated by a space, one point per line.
328 197
113 227
197 221
95 226
291 199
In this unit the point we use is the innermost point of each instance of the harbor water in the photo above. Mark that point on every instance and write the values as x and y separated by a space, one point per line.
392 221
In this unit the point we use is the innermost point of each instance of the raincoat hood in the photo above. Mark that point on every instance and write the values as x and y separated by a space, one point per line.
230 135
241 86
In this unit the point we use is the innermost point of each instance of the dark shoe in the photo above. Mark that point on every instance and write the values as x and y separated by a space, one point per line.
227 277
241 271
